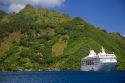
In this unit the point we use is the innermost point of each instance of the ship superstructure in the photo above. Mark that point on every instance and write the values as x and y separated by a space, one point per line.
98 62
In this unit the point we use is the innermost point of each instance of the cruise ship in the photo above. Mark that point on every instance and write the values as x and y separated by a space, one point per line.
99 62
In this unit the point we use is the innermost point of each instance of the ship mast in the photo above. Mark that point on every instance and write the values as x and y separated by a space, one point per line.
103 51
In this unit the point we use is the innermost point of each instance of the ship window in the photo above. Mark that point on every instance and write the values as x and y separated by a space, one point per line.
83 63
90 62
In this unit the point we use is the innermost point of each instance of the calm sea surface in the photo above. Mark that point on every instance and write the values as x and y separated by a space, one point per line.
63 77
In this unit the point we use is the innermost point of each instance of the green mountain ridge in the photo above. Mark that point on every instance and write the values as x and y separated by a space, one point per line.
41 39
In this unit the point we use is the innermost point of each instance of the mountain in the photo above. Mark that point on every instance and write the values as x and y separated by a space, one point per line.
42 39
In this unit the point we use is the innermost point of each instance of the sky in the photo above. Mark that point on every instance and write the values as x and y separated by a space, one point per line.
107 14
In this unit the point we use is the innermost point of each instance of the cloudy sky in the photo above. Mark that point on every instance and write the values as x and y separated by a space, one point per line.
17 5
107 14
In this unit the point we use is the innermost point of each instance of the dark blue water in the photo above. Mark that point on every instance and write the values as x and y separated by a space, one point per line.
63 77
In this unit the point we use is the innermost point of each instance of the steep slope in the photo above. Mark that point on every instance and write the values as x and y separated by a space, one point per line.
49 40
12 38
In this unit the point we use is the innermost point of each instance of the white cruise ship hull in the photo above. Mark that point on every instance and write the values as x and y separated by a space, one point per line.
99 67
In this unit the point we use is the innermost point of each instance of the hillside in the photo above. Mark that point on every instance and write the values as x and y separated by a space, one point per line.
42 39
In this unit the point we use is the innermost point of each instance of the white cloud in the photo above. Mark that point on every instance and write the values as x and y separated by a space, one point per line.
48 3
17 5
123 35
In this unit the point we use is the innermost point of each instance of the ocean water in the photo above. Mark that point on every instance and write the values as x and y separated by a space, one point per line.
63 77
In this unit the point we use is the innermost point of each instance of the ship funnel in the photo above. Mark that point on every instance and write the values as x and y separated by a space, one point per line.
92 53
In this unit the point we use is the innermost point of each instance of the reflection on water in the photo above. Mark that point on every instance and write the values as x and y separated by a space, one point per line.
63 77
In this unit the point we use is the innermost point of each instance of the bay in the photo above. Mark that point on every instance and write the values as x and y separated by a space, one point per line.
62 77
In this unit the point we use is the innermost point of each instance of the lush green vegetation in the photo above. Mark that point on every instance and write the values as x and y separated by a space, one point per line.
42 39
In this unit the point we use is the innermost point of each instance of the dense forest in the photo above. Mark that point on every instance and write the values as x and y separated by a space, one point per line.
41 39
